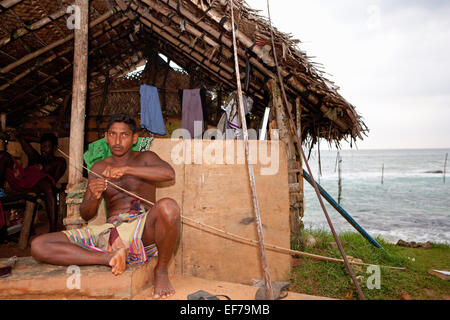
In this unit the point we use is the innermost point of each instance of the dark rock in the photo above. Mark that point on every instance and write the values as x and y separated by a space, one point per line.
413 244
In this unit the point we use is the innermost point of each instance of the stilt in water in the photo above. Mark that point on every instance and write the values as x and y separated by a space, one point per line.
382 174
445 165
340 178
337 166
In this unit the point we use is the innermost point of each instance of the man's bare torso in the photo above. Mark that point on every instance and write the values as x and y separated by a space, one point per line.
118 201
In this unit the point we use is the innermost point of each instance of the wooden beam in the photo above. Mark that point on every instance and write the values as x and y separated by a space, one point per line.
6 4
79 93
59 54
54 45
16 34
182 42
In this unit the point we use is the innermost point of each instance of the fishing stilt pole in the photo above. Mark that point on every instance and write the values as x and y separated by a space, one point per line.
267 282
300 149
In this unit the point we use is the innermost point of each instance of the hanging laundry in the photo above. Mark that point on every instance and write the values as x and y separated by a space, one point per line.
192 112
151 115
230 123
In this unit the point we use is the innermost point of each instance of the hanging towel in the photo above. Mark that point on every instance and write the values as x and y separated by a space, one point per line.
99 150
192 111
151 115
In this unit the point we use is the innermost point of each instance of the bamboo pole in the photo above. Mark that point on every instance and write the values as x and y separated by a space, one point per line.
382 174
79 92
265 266
54 45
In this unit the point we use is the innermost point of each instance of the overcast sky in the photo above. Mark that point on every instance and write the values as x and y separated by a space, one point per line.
389 57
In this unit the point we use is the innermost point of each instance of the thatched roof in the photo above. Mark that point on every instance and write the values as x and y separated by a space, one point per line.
36 55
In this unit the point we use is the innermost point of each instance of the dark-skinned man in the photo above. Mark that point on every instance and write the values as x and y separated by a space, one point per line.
132 233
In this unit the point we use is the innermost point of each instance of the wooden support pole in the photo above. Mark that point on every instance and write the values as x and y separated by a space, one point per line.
299 111
282 121
79 92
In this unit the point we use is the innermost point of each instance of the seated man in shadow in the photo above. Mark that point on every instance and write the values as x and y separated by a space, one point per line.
40 176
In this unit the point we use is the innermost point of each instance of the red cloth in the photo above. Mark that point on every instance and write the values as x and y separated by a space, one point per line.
22 179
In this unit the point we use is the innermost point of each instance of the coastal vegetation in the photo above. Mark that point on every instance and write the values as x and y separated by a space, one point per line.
331 279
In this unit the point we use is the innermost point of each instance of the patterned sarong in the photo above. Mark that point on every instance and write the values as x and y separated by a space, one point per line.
129 226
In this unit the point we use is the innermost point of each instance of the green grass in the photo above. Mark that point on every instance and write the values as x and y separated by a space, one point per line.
331 279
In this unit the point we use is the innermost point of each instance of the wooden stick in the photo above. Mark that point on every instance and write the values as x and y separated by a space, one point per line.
265 266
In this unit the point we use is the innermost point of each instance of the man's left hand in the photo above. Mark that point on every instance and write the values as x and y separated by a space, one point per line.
114 172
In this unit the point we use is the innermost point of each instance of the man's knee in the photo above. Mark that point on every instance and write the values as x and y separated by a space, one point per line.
169 209
38 248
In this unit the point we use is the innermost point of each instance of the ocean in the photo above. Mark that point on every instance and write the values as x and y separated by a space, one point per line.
412 203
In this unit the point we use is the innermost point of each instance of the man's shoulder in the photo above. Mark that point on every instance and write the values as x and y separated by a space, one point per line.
100 164
146 155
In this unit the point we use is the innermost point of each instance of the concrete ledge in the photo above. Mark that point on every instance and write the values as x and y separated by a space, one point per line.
34 279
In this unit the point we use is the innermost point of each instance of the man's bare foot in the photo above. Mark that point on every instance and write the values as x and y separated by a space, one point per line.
163 288
119 261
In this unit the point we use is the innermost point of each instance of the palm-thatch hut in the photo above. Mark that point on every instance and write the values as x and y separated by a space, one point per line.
39 60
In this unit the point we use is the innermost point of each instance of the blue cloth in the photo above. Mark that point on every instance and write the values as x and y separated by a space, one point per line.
151 115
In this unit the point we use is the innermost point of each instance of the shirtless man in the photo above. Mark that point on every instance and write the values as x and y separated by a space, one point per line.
136 172
43 172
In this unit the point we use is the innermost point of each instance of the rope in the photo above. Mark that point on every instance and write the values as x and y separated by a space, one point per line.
204 227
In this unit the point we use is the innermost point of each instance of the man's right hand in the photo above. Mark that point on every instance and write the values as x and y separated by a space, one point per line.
97 187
